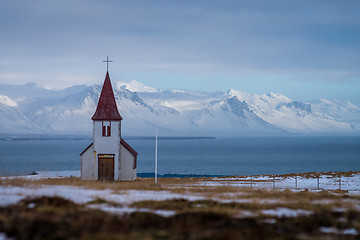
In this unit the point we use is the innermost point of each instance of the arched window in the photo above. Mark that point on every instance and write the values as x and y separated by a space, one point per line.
104 131
106 128
108 131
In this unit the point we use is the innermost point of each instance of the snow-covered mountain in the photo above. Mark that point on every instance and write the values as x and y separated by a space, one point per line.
342 111
31 109
290 115
12 121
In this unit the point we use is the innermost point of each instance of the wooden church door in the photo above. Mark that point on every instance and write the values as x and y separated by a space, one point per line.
106 167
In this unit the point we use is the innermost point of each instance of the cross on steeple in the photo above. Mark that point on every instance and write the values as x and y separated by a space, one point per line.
107 63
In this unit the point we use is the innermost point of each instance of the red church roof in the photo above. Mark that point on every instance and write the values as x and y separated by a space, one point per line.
127 146
106 108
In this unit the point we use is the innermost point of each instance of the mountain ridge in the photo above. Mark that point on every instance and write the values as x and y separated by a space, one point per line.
29 108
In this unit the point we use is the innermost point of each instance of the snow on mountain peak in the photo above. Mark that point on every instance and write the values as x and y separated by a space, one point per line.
7 101
325 101
232 92
135 86
179 112
352 105
341 111
235 93
335 103
279 96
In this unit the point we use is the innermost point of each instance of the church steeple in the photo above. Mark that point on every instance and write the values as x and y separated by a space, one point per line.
106 109
108 156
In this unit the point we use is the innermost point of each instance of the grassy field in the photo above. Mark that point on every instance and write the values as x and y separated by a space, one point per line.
68 208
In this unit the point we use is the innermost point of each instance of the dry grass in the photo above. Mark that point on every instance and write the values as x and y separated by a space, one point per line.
219 215
147 183
185 185
57 218
256 200
139 184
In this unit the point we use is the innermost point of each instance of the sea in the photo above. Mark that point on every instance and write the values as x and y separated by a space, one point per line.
193 156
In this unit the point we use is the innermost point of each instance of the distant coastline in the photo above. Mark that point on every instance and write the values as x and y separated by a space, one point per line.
10 137
175 175
170 138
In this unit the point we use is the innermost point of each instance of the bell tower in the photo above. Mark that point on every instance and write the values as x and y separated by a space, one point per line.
107 134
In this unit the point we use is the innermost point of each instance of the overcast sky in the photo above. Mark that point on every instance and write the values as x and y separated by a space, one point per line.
303 49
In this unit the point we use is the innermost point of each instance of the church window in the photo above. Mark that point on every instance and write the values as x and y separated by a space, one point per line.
106 129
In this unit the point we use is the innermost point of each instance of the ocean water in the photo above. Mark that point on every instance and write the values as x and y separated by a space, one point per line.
221 156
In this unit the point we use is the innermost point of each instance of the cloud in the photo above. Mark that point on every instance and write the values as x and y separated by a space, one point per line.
317 40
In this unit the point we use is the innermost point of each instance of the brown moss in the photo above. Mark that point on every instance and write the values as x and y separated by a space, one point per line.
202 219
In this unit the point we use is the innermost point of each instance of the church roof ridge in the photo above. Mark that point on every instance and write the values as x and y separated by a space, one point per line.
107 109
128 147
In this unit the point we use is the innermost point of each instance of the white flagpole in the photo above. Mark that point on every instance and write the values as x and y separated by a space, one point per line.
156 140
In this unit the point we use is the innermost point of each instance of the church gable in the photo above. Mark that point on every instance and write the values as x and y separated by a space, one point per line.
88 163
86 149
128 161
130 149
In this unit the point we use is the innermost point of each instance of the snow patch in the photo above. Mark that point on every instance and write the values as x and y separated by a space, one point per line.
286 212
7 101
11 195
118 210
135 86
346 231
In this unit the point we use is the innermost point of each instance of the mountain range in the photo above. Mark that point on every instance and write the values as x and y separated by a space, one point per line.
30 109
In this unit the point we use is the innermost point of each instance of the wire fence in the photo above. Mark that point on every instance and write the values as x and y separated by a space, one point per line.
296 182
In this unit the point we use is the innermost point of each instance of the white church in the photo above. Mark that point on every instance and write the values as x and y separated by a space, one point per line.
108 157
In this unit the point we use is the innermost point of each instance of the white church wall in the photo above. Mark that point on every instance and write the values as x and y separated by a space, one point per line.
88 164
107 145
127 172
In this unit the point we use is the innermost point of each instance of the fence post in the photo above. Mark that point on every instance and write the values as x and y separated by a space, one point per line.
340 183
295 182
318 179
205 181
274 182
